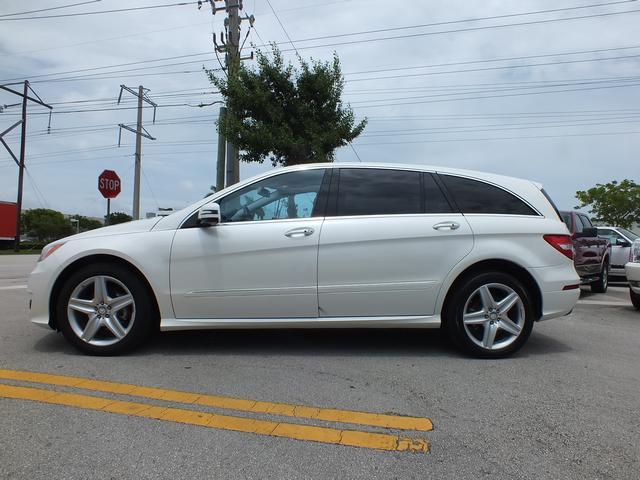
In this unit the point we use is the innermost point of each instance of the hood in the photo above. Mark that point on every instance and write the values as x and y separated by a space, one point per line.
135 226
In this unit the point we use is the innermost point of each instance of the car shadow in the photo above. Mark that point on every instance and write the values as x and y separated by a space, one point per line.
300 342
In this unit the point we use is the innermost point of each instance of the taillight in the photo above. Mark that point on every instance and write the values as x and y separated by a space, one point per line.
561 243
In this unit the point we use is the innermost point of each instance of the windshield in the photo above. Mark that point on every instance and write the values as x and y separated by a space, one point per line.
629 234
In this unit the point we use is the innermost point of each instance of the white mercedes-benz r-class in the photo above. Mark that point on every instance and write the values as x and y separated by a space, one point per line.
321 246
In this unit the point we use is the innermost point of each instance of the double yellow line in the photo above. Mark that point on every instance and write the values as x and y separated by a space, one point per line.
355 438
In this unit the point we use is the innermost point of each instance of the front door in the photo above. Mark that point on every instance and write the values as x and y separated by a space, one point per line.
260 261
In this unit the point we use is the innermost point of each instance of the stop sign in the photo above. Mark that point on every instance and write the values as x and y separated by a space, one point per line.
109 184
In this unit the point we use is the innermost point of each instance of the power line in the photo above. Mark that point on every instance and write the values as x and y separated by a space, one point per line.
503 67
467 139
49 9
282 26
459 30
99 12
476 19
498 96
503 59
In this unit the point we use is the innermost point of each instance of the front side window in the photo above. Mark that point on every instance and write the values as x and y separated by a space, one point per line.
370 191
610 235
473 196
290 195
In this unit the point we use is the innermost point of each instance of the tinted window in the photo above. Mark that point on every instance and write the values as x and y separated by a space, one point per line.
290 195
473 196
585 221
434 199
579 225
566 218
378 192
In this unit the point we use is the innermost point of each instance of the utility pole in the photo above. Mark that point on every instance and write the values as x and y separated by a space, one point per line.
140 132
136 180
232 50
221 155
233 64
23 147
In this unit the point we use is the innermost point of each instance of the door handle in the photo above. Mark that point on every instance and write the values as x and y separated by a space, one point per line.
299 232
446 226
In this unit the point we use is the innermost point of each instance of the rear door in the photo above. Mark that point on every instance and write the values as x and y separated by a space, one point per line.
387 243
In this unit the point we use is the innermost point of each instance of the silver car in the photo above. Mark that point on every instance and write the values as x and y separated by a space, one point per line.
621 240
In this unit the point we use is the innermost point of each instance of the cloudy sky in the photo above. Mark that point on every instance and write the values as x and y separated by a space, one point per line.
547 90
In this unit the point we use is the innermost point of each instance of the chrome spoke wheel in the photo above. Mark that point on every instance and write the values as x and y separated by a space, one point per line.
494 316
101 310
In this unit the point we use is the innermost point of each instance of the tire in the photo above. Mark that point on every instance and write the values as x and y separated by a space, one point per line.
601 285
472 315
104 324
635 299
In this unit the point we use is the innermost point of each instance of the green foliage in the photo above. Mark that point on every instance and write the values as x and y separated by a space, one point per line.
86 223
287 115
118 217
616 204
45 224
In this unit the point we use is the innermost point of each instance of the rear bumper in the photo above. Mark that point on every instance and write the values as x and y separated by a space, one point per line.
556 301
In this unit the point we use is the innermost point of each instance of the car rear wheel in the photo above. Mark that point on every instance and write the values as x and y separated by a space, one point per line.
490 315
104 309
635 299
601 285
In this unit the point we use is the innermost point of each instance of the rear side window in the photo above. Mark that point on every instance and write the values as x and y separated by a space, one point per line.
368 191
586 222
473 196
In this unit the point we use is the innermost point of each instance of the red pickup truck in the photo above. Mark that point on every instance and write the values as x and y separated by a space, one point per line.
592 254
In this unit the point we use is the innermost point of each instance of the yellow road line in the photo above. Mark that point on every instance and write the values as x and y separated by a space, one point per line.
354 438
298 411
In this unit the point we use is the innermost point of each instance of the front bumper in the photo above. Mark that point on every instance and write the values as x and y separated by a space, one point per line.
632 270
39 288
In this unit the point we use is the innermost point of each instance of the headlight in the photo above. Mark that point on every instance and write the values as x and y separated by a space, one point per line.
635 251
49 249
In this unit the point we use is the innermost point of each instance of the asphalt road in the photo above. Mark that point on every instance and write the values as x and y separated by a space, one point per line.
566 406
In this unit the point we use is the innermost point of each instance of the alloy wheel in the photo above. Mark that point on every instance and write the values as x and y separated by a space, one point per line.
101 310
494 316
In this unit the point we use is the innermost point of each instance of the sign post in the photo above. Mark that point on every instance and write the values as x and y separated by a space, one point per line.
109 185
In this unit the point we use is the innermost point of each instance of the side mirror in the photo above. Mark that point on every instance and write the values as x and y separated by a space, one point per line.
209 215
621 242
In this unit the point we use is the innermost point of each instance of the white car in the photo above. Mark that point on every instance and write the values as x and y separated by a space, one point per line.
621 240
632 270
325 245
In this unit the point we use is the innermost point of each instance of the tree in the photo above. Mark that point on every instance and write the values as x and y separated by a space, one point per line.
287 115
45 224
613 203
118 217
85 223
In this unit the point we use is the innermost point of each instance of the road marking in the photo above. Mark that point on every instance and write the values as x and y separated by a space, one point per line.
298 411
13 287
354 438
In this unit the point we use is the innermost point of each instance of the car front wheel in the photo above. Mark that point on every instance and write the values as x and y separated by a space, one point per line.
104 309
490 315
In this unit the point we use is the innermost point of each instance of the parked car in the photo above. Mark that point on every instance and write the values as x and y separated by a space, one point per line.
632 270
621 240
592 256
326 245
